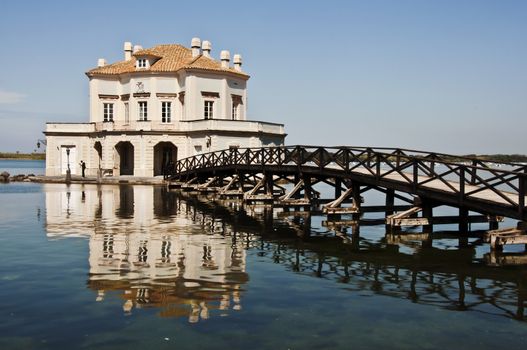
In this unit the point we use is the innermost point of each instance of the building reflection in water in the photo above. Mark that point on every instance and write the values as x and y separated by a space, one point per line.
187 256
146 245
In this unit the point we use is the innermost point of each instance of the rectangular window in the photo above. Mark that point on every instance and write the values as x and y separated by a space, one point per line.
108 112
208 109
234 111
143 111
126 113
166 112
236 107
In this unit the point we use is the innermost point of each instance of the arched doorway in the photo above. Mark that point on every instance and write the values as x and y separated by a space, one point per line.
124 158
98 148
164 153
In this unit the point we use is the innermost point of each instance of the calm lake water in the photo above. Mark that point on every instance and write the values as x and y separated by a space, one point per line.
136 267
26 167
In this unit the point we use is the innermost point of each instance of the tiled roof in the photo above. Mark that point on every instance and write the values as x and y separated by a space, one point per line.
172 58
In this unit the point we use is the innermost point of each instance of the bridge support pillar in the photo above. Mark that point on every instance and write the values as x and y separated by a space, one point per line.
338 188
307 186
355 192
269 184
390 201
241 182
463 220
428 213
493 223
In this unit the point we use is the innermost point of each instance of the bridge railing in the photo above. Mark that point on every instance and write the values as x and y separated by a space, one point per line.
463 176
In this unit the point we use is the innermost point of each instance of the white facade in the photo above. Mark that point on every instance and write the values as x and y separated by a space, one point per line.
158 105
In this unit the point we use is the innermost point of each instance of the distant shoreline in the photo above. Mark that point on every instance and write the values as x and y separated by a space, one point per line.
22 156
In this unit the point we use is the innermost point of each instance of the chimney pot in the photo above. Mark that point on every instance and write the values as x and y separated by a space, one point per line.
137 48
237 60
225 57
195 45
206 48
127 51
101 62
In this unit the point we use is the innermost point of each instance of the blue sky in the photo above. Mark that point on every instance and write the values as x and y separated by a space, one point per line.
446 76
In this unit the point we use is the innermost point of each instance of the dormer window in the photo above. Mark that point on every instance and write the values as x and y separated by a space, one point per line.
142 63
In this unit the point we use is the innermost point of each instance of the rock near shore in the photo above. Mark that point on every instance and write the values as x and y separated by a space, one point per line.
4 176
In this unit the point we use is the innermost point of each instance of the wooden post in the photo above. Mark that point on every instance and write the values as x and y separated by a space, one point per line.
338 187
428 212
355 192
415 175
378 166
241 179
461 184
521 195
269 184
355 189
463 220
307 187
493 223
428 209
473 173
390 201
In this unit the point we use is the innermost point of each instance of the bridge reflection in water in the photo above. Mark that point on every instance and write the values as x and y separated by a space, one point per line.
188 256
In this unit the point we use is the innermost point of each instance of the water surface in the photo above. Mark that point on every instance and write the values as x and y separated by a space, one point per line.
134 267
23 166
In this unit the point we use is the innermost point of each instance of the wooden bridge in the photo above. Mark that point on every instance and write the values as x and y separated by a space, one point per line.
419 180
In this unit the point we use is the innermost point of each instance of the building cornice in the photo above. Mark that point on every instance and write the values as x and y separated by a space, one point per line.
103 133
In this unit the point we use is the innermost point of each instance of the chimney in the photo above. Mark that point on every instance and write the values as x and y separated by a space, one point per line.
101 62
237 60
127 51
225 59
195 44
206 47
137 48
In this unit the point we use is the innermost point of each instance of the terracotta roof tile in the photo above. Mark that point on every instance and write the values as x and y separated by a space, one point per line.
172 58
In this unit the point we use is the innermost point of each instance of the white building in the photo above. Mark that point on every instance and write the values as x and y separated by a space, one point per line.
158 105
